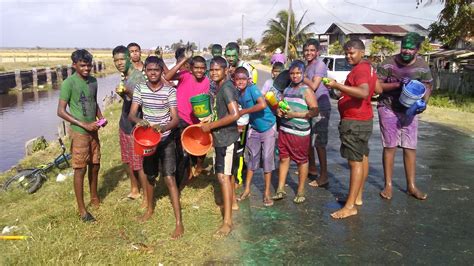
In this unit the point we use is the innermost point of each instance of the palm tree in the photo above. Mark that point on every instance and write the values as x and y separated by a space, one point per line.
274 36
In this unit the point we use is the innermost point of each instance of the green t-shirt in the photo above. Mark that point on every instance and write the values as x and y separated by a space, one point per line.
81 97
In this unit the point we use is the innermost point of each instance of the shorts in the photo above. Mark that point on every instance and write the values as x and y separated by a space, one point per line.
261 145
293 146
397 129
134 160
163 161
320 128
355 135
225 160
85 149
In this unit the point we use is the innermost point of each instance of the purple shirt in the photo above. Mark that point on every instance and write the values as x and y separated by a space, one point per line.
319 69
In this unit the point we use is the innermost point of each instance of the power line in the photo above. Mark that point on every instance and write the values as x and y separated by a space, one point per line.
329 11
264 16
389 13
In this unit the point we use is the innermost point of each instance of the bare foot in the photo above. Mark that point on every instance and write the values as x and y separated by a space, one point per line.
133 196
235 206
344 213
178 232
319 182
386 193
223 231
244 195
145 217
95 202
359 202
143 205
417 194
313 171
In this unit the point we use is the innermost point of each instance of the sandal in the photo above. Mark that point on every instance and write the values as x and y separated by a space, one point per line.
267 202
299 199
280 194
88 218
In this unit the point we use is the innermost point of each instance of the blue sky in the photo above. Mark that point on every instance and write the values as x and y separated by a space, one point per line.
107 23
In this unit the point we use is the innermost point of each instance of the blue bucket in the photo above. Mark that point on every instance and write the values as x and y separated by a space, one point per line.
412 92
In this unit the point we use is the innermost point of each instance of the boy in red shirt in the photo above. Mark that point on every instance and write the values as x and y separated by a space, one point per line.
356 123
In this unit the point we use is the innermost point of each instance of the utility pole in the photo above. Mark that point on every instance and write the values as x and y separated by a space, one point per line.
242 36
288 31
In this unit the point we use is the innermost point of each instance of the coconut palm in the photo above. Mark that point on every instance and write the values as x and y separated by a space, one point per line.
274 36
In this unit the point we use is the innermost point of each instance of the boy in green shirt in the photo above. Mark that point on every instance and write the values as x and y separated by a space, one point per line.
79 92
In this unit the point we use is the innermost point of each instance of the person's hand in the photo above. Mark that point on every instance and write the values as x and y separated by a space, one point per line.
289 115
206 127
279 112
188 53
91 126
330 83
405 80
156 128
242 112
143 123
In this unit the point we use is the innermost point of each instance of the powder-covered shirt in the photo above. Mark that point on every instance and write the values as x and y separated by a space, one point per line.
296 98
188 87
318 68
262 120
134 78
392 70
156 105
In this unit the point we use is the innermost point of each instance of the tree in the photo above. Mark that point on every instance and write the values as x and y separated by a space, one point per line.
455 21
179 44
251 43
382 47
425 47
336 48
274 37
239 41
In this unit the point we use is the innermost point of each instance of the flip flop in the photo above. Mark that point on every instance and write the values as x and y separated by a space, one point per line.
243 197
268 202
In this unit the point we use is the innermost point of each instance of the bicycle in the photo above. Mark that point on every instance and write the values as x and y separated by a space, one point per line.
33 178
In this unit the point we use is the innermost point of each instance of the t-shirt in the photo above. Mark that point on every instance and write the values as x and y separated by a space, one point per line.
296 98
352 108
226 135
188 87
134 78
81 96
156 105
262 120
319 69
391 70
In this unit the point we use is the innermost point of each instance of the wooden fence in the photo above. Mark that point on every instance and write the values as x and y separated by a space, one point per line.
458 83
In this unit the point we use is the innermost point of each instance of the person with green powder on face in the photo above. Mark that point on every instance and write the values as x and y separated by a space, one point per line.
131 76
397 128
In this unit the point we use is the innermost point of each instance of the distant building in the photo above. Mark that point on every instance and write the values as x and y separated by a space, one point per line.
366 32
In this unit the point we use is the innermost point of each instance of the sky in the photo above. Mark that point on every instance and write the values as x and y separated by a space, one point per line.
108 23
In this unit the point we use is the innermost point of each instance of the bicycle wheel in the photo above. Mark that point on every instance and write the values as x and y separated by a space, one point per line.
28 179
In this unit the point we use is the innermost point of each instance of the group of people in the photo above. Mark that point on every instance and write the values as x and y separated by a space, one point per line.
296 130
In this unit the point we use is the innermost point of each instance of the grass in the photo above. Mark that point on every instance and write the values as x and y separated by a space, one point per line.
57 236
451 100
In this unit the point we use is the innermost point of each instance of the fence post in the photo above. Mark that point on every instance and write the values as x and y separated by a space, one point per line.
48 76
35 77
69 70
59 73
18 79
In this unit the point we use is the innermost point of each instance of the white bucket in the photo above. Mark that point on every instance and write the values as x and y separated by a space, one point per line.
412 92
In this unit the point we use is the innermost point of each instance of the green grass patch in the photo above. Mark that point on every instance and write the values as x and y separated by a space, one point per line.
57 236
451 100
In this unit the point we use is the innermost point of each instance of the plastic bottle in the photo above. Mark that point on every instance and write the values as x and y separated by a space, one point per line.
418 105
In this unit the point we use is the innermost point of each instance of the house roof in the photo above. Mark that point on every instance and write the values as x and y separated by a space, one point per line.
377 29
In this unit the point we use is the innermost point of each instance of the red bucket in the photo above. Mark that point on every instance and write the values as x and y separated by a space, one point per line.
145 140
195 141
